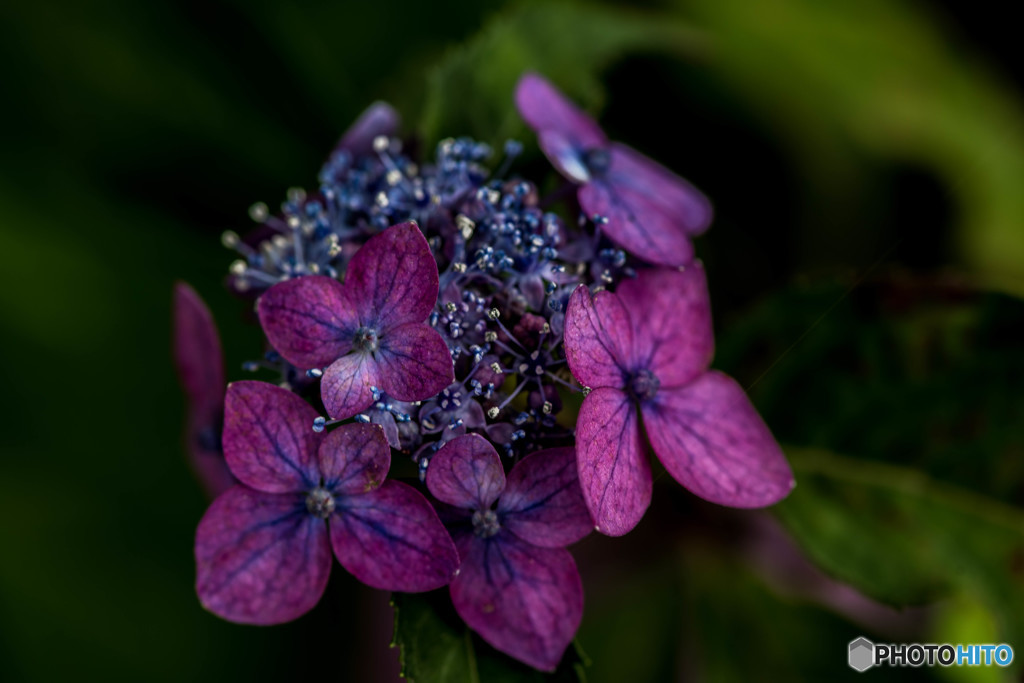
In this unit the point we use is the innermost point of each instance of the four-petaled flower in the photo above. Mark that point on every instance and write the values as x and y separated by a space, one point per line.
650 211
648 346
263 548
518 586
370 330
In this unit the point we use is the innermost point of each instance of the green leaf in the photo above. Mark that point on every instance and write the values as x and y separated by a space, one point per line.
903 538
470 92
437 647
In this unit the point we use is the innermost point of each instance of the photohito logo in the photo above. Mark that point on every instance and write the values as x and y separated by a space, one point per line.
863 654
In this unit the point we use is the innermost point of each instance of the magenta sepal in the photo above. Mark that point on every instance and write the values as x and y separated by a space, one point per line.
378 119
542 502
368 332
467 473
391 538
712 441
614 472
524 600
650 211
199 362
269 442
260 558
674 337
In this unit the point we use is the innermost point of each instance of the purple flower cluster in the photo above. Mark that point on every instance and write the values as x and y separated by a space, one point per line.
440 309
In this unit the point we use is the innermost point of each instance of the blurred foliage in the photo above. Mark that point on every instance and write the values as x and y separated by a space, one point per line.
571 43
920 371
902 538
831 136
847 79
436 646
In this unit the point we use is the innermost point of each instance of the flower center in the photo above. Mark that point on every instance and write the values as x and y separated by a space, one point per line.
485 523
320 503
366 339
597 160
644 385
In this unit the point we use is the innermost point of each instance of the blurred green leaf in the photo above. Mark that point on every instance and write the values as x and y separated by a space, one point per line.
922 372
437 647
881 78
903 538
471 90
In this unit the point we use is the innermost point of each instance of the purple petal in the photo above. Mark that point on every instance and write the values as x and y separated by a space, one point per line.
635 224
308 320
354 458
414 362
393 279
544 108
713 442
391 538
386 421
661 189
269 442
200 365
672 334
612 461
523 600
565 154
260 557
543 502
467 473
598 338
197 352
346 385
378 119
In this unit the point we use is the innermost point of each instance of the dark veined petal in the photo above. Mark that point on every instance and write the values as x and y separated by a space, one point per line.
544 108
260 557
414 363
346 387
378 119
269 442
354 458
598 338
392 280
661 189
466 472
612 462
712 441
200 364
671 311
634 224
308 320
523 600
543 502
391 538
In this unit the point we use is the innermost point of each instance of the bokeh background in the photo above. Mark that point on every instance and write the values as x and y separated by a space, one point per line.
866 160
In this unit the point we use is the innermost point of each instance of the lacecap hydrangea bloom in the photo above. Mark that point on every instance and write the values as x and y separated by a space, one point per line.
440 310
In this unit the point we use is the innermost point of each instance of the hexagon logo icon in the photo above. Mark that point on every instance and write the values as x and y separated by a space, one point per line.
862 654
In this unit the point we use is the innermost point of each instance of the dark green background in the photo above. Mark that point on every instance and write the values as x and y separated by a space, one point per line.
865 160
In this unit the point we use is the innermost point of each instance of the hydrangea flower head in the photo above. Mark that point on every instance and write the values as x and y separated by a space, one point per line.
370 331
263 548
518 586
649 211
648 347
